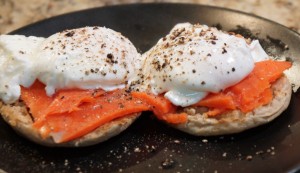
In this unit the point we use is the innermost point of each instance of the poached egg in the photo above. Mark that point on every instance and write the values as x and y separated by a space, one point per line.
194 60
85 58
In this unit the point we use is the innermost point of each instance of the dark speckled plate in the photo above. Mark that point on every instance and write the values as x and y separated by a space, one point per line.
151 146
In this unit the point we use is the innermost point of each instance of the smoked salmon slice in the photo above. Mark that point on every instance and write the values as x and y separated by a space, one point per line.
251 92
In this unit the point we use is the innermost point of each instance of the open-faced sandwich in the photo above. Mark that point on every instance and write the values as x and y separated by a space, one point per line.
220 83
68 89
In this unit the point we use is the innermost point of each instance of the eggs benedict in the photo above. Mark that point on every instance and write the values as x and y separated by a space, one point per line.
53 89
222 82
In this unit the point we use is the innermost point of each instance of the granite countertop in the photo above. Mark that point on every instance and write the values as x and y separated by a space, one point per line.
17 13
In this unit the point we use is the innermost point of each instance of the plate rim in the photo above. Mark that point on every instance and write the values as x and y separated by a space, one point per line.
55 17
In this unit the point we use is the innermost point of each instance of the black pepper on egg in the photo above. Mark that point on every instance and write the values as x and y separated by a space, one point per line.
224 50
70 34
